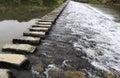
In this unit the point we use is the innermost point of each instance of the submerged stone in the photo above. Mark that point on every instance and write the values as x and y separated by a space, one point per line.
27 40
19 48
75 74
38 68
54 72
110 75
15 60
35 34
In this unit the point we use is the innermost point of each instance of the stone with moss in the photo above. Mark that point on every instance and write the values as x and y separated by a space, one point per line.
56 73
75 74
110 75
38 67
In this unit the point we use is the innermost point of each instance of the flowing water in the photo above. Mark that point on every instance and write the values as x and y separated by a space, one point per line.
84 38
99 35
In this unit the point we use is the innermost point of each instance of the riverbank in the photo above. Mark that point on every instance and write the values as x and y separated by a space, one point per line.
101 2
112 9
26 10
23 13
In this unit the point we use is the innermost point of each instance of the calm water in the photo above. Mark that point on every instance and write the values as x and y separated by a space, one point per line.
12 28
14 21
113 12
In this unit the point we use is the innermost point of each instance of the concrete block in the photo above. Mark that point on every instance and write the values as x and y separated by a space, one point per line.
35 34
19 48
44 23
15 60
27 40
44 26
5 73
39 29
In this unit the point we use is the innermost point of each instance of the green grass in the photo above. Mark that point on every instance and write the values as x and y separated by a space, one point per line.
98 2
26 10
94 2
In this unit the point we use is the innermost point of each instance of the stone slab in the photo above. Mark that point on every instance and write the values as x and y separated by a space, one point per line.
19 48
44 23
27 40
35 34
46 20
44 26
5 73
39 29
16 60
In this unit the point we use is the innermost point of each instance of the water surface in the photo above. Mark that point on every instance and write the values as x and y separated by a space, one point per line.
111 11
10 29
99 35
15 20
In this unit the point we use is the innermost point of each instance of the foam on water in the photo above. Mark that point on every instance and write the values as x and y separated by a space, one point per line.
95 26
51 66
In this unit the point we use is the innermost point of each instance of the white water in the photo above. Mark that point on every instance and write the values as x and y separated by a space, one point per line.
93 25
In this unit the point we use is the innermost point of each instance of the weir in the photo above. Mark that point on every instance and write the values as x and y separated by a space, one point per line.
78 42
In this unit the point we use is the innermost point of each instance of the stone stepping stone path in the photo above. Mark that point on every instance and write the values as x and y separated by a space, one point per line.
27 40
44 26
27 43
16 60
19 48
5 73
35 34
39 29
44 23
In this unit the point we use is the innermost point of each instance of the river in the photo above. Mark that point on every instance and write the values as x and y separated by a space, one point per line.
85 38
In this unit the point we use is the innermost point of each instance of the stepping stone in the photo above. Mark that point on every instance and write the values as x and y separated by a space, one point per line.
39 29
5 73
27 40
35 34
44 26
44 23
46 20
15 60
19 48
